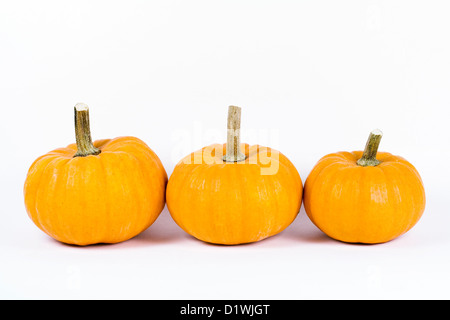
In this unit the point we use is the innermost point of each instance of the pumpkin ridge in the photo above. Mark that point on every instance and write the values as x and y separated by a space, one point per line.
289 166
334 204
144 177
150 156
180 184
276 203
404 163
78 166
313 175
105 189
242 174
60 193
31 180
296 181
115 144
409 183
195 219
62 152
234 235
39 190
330 202
407 221
138 204
132 180
373 185
320 175
394 195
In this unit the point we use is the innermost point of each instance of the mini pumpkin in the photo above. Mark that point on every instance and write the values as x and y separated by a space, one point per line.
234 193
364 197
107 191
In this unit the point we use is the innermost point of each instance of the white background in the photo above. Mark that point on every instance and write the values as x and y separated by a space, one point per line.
312 77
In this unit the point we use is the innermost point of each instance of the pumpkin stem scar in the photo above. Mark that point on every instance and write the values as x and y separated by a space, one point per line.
85 147
234 153
369 157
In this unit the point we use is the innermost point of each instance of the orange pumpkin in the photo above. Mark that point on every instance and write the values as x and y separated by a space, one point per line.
234 193
102 192
364 197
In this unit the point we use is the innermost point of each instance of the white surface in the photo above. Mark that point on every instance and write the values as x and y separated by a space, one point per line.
312 77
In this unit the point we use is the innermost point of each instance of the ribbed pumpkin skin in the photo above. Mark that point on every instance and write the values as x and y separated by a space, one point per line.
232 203
107 198
358 204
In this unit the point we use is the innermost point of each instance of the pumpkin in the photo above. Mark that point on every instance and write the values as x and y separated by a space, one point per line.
234 193
105 191
364 196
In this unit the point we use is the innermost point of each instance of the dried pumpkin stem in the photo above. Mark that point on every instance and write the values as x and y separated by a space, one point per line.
234 153
369 157
83 132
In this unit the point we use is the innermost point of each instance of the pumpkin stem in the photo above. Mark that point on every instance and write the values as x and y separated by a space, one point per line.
369 157
83 132
234 153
